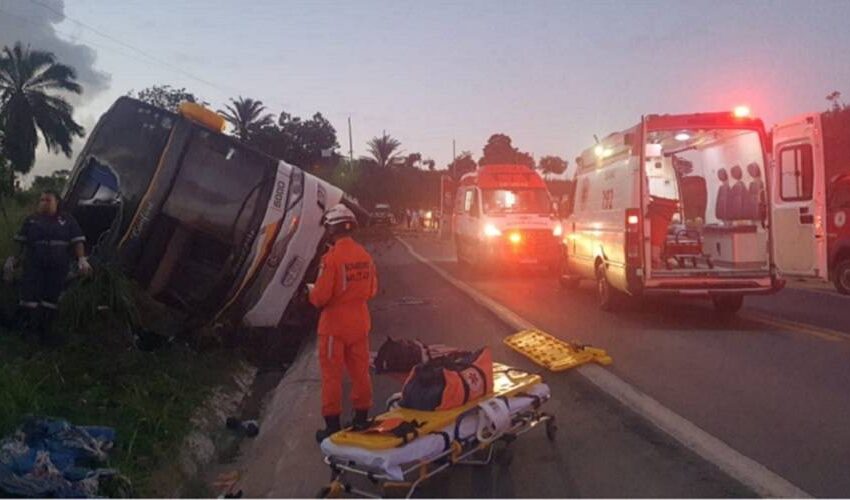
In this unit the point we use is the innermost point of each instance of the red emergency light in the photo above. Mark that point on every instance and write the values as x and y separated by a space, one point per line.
741 111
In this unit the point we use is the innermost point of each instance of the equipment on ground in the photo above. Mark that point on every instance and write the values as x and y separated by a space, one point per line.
553 353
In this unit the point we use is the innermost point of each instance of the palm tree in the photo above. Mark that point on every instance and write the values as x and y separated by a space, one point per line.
29 83
246 116
384 149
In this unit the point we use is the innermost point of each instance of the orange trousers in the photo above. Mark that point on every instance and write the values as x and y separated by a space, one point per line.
335 355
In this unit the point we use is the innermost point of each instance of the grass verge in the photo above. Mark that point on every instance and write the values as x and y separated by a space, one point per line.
98 377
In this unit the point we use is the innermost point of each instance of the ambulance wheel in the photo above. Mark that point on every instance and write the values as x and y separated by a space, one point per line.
842 277
551 429
607 295
459 254
728 305
566 281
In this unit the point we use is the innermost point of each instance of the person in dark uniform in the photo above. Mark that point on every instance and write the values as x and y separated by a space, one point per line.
48 239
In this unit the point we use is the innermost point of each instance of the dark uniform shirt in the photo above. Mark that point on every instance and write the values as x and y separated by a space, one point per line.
47 239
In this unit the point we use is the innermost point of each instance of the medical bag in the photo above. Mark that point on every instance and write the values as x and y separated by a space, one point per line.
449 381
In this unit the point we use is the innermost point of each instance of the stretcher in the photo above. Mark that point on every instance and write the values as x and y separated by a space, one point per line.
684 245
369 463
553 353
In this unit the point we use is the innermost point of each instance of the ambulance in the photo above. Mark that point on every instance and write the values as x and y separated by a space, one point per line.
677 205
812 200
504 215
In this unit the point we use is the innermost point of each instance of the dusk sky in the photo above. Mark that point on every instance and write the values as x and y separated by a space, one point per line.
549 74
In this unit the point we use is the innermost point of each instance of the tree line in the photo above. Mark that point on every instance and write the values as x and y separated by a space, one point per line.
33 108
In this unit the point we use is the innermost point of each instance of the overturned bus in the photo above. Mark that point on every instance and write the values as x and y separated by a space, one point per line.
202 222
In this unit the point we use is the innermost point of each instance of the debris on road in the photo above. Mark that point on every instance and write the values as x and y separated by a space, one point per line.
249 428
553 353
226 483
48 457
413 301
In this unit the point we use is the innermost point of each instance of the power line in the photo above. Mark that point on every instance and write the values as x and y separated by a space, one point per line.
133 48
225 90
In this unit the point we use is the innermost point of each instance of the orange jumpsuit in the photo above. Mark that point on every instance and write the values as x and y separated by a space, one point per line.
347 280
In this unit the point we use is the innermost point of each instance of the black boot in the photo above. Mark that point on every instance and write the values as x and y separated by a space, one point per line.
46 334
361 420
332 425
28 321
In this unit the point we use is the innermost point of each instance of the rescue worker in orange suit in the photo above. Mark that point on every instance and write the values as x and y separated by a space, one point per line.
347 280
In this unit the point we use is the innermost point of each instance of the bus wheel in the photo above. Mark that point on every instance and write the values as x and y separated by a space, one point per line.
842 276
728 305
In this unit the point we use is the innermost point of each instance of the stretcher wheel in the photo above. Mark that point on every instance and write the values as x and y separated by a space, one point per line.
333 490
551 429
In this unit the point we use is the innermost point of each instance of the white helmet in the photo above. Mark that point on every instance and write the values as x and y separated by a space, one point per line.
339 216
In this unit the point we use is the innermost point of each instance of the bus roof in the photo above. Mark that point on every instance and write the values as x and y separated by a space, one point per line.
504 176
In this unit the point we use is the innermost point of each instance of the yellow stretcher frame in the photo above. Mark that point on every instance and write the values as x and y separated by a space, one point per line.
553 353
507 381
466 451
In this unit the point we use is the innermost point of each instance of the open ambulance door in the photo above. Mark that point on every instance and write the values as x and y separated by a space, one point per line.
798 193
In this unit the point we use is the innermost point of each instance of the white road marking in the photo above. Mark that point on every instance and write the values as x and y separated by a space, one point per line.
752 474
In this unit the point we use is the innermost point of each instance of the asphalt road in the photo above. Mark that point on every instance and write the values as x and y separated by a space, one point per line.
602 449
767 384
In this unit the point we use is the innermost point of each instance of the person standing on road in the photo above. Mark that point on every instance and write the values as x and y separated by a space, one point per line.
47 239
347 280
415 220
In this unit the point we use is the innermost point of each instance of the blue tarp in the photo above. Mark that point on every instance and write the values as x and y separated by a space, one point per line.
48 457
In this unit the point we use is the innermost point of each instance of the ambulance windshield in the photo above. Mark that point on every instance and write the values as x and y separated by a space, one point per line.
516 201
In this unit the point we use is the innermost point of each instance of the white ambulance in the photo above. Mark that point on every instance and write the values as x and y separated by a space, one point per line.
504 215
676 205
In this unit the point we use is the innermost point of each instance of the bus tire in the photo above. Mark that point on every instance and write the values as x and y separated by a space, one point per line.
842 276
728 305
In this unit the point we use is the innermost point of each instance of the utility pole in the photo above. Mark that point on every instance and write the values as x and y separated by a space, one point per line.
454 158
350 146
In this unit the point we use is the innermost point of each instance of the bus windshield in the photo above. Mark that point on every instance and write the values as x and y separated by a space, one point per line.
516 201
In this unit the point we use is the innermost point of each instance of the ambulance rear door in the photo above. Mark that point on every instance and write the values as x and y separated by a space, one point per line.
798 198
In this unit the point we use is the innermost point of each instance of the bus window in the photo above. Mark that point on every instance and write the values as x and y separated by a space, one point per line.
218 187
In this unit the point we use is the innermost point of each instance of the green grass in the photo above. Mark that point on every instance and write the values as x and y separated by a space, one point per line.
148 397
99 378
16 208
